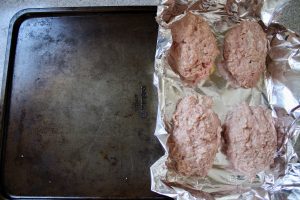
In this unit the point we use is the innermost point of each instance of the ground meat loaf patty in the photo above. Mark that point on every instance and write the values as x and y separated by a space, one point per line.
245 51
195 136
194 48
250 138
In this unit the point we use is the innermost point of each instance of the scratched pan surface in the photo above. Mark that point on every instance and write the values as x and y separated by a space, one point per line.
79 104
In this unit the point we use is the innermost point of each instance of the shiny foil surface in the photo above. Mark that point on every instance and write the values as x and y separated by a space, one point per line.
278 89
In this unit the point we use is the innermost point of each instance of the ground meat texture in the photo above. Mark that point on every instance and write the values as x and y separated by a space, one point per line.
195 137
194 48
250 139
245 51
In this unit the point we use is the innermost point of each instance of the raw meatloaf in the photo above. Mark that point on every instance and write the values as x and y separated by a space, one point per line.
194 48
245 51
195 137
250 139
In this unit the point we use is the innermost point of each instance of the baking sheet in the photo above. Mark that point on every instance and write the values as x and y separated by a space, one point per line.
79 105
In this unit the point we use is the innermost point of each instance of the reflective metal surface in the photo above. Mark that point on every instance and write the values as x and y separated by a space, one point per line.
277 89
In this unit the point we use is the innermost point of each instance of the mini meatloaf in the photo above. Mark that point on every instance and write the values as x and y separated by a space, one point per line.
194 48
195 136
250 139
245 51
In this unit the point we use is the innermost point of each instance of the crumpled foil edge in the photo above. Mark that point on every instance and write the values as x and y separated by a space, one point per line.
287 185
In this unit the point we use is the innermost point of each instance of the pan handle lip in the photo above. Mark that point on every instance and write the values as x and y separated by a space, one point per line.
52 11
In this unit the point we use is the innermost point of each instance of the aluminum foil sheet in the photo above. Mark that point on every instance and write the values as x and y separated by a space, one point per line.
277 89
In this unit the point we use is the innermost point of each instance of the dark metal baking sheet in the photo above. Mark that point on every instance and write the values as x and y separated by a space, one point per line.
78 103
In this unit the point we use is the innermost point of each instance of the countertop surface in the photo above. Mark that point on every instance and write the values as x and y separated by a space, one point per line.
290 16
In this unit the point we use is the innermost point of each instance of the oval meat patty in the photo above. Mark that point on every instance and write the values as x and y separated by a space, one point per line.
245 51
250 138
194 48
195 137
